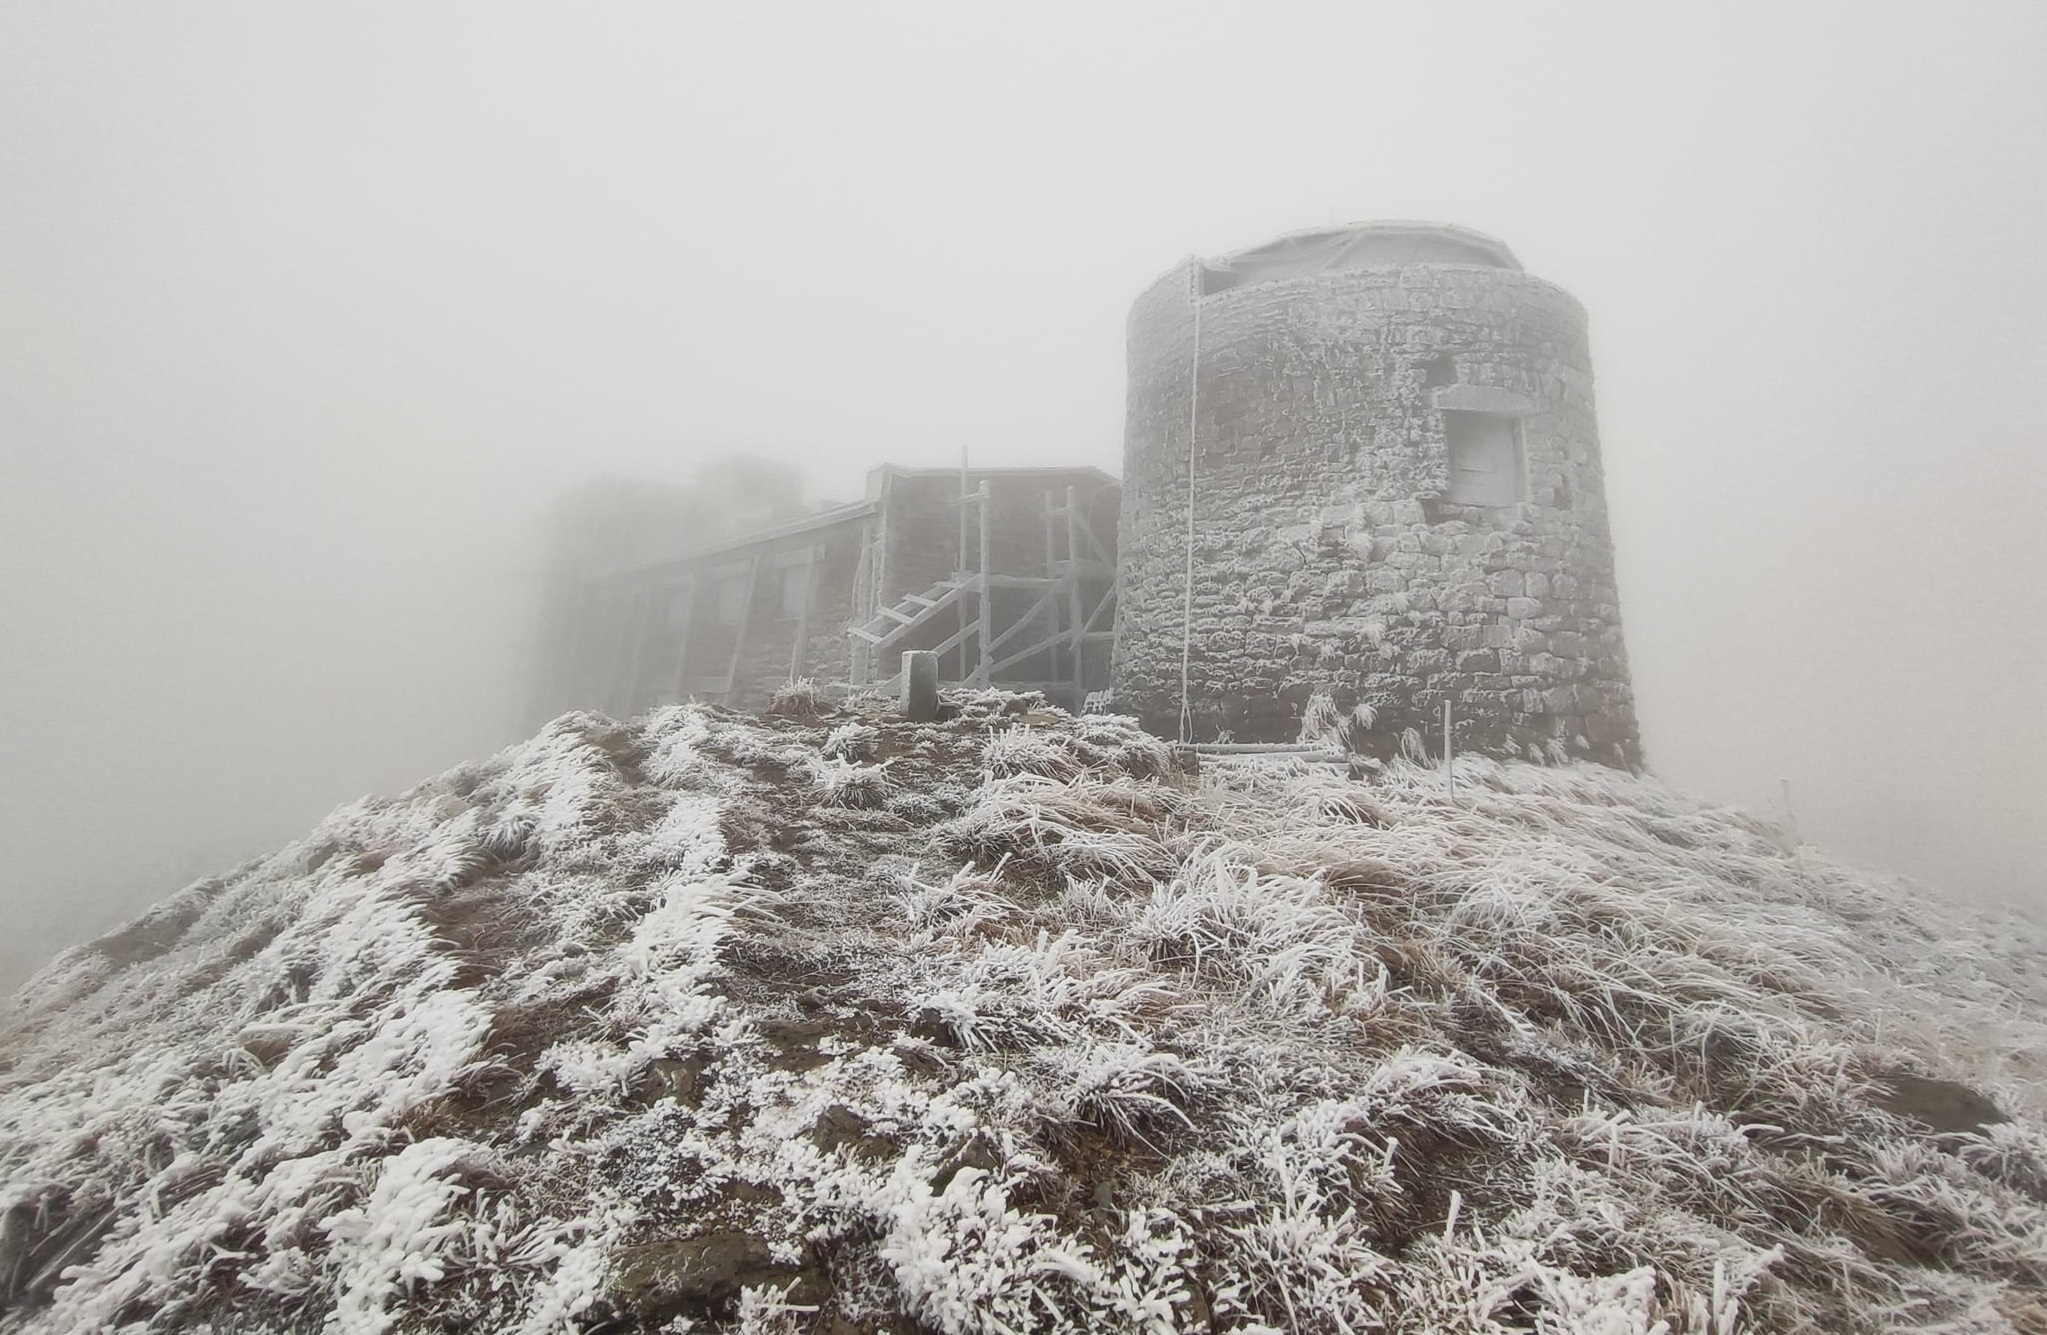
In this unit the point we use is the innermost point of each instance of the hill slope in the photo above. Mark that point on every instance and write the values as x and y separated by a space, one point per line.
843 1024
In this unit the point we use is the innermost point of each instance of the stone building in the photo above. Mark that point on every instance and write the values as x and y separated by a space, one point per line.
1360 463
727 590
1362 480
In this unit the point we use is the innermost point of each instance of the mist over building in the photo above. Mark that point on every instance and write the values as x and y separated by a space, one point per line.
1363 481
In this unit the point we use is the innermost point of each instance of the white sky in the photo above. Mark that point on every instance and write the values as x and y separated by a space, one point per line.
306 310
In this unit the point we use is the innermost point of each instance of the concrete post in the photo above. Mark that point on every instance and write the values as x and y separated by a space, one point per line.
919 700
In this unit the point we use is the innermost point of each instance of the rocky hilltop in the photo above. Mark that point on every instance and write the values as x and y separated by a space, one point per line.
826 1022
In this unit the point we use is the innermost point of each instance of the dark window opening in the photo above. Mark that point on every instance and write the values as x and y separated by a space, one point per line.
1485 459
1438 370
1210 279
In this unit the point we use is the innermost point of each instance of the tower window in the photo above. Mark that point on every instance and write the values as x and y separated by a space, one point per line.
1485 458
1438 370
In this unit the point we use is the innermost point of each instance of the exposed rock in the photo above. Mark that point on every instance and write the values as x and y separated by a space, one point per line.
1943 1105
703 1276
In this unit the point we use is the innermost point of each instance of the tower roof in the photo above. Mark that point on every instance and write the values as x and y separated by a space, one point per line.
1359 245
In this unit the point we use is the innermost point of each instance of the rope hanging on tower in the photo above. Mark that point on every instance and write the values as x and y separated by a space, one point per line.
1187 595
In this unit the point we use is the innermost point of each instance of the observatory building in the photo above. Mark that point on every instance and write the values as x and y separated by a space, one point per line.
1361 482
1361 464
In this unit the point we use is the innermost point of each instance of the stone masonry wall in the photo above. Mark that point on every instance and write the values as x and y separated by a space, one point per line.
1327 559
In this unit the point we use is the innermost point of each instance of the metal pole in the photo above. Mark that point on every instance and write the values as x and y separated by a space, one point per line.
1187 592
1449 769
1791 832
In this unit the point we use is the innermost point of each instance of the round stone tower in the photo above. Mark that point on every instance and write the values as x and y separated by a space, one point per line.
1361 479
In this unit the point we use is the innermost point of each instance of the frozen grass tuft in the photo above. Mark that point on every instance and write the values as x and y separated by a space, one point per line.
848 783
800 698
854 743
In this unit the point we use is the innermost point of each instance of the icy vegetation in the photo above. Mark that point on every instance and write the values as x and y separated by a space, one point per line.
827 1022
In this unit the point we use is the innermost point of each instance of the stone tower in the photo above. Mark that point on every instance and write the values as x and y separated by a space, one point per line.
1396 500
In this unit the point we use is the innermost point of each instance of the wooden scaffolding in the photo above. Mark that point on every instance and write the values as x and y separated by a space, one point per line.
990 628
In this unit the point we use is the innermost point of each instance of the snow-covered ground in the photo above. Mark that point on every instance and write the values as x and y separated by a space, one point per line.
827 1022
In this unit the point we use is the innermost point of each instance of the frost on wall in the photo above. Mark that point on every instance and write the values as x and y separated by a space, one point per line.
1329 556
838 1023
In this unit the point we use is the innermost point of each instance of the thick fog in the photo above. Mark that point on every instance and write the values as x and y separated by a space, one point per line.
306 314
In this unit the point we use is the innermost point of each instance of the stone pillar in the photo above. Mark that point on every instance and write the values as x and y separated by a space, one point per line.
919 699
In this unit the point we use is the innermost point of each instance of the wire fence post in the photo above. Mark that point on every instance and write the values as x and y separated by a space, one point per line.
1187 591
1791 832
1449 769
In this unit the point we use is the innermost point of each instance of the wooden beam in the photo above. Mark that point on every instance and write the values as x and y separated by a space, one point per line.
753 578
1036 647
811 566
879 585
626 683
1074 622
1049 512
1044 600
987 567
954 640
961 501
688 593
863 579
1094 543
1108 601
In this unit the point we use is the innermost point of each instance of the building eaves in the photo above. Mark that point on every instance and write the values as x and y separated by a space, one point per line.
1041 470
738 542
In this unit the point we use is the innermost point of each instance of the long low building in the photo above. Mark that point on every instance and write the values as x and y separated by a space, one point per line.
1009 573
